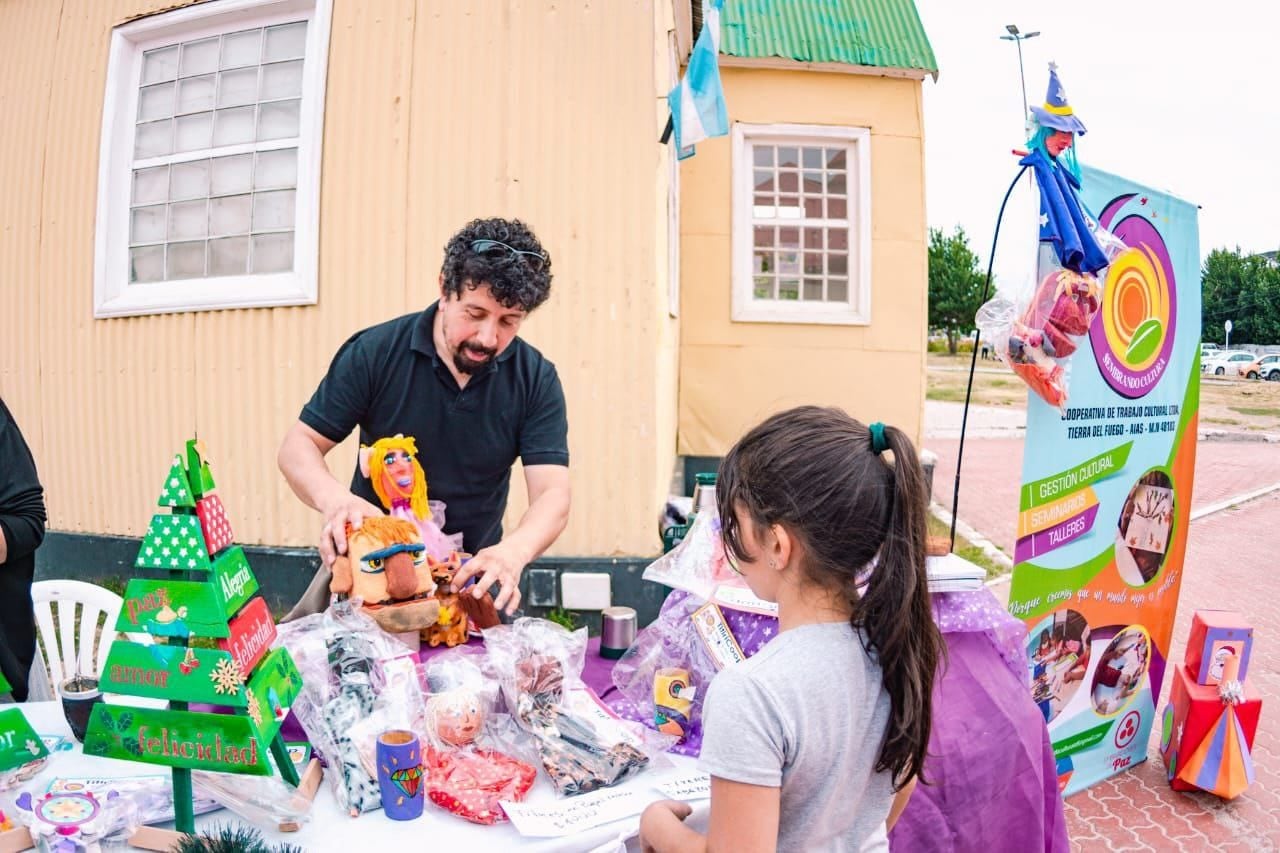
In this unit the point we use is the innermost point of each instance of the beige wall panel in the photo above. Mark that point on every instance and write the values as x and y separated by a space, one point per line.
733 374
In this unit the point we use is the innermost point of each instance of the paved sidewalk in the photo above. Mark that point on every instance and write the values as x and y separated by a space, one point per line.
1230 564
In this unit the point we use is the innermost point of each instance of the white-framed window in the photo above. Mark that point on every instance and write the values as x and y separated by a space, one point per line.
801 224
209 169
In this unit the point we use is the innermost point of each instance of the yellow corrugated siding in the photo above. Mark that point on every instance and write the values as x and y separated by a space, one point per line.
732 375
436 112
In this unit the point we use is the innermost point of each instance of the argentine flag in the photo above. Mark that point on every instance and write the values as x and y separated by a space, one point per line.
697 103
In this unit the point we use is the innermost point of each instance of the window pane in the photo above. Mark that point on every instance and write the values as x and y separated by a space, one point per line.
276 169
788 182
285 42
229 215
272 253
789 263
282 80
813 208
193 132
186 260
836 184
813 290
232 174
813 263
199 57
278 120
788 157
762 262
812 183
837 208
190 180
195 94
762 155
155 102
838 239
234 126
838 264
789 207
229 256
188 219
159 65
811 157
763 238
273 210
238 87
788 289
242 48
146 224
153 139
146 264
763 207
763 180
837 290
789 238
836 158
762 287
813 238
150 185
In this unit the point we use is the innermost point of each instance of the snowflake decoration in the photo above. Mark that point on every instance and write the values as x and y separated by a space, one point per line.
32 746
226 677
255 710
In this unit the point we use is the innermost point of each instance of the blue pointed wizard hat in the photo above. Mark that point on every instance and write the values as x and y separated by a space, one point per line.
1056 112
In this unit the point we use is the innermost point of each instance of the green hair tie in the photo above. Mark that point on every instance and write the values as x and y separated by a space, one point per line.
878 442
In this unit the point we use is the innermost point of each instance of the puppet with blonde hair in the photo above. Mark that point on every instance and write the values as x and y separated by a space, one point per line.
392 466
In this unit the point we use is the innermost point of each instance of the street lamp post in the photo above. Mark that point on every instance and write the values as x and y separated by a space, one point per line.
1018 38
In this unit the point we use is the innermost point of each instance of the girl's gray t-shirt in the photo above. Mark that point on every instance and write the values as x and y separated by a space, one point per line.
807 714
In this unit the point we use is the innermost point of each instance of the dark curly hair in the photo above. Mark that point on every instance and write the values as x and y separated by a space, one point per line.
516 281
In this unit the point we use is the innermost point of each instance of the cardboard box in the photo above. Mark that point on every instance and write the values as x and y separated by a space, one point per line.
1214 635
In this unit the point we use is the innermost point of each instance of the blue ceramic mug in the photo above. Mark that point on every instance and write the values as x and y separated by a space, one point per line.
400 774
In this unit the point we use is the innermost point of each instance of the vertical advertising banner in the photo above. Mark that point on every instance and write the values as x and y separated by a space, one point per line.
1106 491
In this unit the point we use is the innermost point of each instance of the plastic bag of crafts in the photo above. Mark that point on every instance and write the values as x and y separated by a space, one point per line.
466 774
558 721
343 657
698 563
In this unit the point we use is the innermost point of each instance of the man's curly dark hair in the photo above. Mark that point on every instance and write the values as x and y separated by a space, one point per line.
516 281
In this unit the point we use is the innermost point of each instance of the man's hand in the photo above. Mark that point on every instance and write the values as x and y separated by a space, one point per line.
656 823
498 564
348 509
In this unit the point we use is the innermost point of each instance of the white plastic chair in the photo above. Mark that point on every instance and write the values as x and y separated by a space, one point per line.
66 652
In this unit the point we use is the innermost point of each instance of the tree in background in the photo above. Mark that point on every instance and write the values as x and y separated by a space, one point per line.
955 285
1244 289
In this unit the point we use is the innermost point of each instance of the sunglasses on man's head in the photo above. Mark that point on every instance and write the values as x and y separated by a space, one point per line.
536 260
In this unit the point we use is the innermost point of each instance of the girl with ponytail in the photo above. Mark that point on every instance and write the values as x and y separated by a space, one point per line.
816 742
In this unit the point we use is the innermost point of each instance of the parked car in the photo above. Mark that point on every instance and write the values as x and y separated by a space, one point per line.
1225 361
1267 367
1207 348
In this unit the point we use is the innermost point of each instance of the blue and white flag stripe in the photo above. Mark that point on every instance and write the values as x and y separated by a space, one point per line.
697 103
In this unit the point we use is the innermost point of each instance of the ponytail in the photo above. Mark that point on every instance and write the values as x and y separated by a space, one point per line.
895 615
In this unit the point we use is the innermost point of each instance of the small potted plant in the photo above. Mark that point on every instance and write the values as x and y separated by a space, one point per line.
79 694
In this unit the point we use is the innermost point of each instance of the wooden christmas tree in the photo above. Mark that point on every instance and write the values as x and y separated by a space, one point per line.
210 592
19 743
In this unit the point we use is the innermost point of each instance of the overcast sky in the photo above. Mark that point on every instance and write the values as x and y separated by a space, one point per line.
1177 96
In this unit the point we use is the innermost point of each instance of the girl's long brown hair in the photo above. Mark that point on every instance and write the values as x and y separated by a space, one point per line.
813 471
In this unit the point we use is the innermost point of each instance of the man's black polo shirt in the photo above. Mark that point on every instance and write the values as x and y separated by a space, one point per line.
388 379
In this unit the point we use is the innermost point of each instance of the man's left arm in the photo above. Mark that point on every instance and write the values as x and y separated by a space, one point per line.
541 524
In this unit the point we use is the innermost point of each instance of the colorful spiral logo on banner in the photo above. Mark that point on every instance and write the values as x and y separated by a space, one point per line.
1133 332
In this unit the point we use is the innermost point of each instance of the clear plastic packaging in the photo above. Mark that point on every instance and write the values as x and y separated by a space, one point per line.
580 745
78 822
698 563
464 773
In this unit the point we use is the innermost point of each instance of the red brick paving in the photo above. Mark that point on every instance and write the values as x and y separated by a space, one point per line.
1231 563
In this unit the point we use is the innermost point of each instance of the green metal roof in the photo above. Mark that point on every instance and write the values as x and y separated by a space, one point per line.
878 33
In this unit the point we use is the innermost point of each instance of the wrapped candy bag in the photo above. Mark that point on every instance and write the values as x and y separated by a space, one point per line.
698 563
538 665
464 774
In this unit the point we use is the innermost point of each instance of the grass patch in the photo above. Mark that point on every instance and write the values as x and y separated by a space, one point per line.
1000 383
947 395
1226 421
965 549
1257 411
